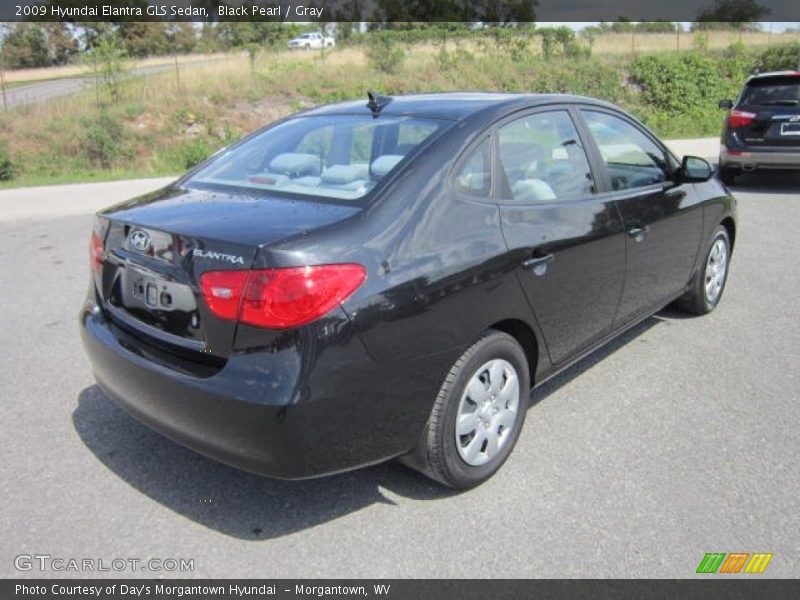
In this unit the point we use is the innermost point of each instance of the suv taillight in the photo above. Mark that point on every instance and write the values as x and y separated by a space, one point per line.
740 118
280 298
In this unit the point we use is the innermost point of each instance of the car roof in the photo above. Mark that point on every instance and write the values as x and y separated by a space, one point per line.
453 105
769 74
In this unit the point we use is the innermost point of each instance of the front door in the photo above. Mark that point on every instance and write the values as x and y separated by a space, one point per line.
663 220
568 244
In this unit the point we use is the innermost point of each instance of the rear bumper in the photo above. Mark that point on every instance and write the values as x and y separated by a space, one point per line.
750 159
290 413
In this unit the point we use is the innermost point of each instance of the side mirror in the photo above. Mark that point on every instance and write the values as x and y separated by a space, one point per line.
695 170
726 104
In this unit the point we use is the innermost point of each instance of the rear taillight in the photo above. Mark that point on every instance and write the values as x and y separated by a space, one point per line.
280 298
96 252
223 292
740 118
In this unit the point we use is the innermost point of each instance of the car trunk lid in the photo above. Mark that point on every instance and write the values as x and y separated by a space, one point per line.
157 247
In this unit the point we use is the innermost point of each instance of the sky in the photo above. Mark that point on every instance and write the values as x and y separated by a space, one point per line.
775 27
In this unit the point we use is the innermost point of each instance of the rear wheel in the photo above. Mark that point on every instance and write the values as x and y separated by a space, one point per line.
709 282
478 414
727 175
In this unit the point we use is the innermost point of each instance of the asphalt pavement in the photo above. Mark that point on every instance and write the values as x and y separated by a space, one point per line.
39 91
678 439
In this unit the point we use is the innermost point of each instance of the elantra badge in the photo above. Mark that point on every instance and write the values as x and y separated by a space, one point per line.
139 240
236 260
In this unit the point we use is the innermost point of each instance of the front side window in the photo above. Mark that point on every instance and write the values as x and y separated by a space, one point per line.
473 176
340 157
543 160
633 160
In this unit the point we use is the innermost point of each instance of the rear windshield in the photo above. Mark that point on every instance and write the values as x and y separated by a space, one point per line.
340 157
773 91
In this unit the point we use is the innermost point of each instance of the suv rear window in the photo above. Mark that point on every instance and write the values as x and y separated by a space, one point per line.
773 91
340 157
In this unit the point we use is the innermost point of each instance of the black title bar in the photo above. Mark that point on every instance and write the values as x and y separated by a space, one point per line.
398 589
394 11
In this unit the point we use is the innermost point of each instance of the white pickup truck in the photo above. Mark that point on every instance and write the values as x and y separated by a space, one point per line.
311 41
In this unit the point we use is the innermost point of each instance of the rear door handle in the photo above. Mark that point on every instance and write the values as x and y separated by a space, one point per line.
638 233
538 264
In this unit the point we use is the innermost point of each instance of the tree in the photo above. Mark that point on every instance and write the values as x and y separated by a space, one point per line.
737 14
25 46
142 39
107 61
62 44
181 37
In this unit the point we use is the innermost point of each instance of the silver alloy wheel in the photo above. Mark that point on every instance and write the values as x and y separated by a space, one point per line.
716 270
487 412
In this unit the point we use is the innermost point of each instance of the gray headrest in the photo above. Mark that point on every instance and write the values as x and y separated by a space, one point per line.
341 174
383 164
533 190
295 164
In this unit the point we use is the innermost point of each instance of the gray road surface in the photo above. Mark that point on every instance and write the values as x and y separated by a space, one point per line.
678 439
45 90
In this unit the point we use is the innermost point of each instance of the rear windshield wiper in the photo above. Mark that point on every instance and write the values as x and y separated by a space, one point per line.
781 103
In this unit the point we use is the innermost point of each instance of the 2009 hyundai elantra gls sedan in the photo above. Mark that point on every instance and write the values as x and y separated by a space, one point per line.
389 279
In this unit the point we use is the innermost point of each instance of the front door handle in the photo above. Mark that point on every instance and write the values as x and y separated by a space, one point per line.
538 264
638 233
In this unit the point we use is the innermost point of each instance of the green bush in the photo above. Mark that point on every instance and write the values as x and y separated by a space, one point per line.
7 167
134 109
679 84
780 58
586 78
195 152
104 140
384 54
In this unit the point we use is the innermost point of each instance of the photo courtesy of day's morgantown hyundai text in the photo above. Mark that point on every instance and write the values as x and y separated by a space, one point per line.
389 278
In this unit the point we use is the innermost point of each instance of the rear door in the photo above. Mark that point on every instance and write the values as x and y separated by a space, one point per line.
568 240
769 112
663 221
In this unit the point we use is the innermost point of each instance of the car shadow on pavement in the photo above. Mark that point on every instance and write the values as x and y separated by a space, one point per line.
768 182
228 500
247 506
552 385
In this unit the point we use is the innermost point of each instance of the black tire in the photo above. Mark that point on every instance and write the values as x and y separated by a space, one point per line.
727 175
437 454
696 301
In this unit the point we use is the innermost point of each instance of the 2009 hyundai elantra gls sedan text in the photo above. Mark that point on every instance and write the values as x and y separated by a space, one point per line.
383 279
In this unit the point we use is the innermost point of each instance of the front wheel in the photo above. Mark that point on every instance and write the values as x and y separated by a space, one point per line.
478 413
706 288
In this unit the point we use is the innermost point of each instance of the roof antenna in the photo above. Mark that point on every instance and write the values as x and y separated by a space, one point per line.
377 102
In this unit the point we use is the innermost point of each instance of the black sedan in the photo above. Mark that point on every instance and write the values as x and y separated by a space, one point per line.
389 279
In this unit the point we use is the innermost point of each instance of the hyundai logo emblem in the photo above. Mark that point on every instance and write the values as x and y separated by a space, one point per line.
139 240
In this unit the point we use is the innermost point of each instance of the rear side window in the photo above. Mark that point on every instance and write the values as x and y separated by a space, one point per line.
772 91
543 160
632 159
336 156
